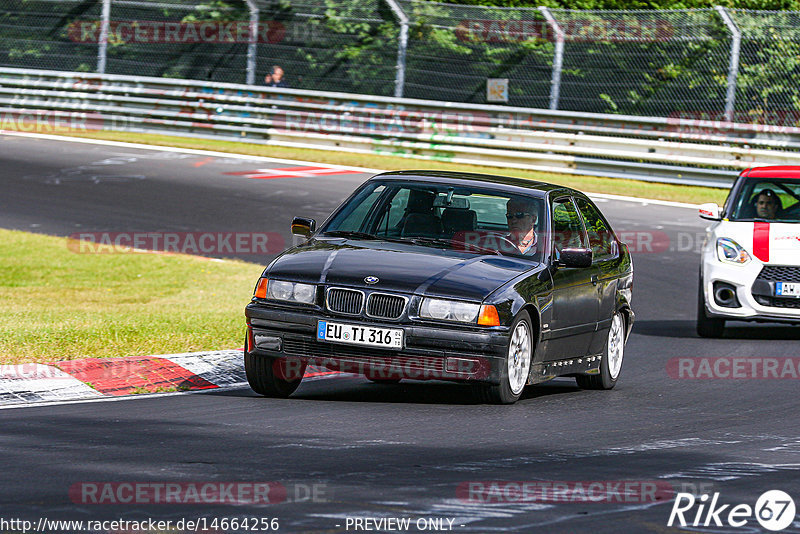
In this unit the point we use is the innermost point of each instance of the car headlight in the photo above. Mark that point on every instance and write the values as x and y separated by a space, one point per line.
730 251
449 310
291 291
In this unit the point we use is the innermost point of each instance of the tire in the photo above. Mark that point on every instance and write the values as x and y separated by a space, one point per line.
268 376
611 362
516 368
707 326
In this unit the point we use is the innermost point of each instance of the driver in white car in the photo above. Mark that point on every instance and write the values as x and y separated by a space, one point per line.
767 204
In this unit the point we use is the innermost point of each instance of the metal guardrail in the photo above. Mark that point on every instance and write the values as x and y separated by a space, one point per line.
652 149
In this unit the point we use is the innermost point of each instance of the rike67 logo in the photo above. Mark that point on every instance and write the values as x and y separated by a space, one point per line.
774 510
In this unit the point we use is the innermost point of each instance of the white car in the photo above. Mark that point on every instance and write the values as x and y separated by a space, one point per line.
750 265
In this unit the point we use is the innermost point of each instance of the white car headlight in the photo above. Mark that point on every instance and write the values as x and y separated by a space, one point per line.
291 291
729 251
449 310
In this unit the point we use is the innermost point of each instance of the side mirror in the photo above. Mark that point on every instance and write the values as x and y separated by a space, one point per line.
579 258
303 226
710 211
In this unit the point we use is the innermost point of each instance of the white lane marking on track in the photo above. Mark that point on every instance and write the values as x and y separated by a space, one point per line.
117 399
142 146
644 201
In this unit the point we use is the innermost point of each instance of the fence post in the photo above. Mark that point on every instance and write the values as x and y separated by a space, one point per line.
558 57
402 46
102 43
252 46
733 66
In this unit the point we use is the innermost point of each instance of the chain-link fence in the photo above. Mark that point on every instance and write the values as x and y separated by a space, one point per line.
710 64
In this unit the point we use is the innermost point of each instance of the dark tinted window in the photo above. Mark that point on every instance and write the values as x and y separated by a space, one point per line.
601 239
567 227
464 218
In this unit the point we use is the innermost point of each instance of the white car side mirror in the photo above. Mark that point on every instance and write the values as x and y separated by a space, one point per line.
710 211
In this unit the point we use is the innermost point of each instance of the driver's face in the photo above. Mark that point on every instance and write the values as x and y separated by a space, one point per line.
766 207
519 217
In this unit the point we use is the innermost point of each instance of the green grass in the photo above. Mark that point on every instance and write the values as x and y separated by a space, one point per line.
678 193
61 305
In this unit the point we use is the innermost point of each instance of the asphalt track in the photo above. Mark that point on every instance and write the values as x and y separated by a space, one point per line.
390 450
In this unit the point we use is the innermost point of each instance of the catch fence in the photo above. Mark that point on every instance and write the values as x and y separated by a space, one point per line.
703 64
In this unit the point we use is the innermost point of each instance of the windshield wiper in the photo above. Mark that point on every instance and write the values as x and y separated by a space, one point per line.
468 247
349 233
365 236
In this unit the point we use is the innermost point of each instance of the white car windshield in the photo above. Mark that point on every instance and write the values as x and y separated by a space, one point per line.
767 199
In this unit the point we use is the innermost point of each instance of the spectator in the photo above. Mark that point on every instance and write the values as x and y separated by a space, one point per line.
275 77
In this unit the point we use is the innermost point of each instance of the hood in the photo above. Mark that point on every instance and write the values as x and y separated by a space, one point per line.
400 267
772 243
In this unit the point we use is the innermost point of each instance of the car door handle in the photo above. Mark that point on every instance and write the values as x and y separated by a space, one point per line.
595 279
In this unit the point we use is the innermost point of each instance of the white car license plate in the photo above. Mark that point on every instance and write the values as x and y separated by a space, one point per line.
787 289
388 338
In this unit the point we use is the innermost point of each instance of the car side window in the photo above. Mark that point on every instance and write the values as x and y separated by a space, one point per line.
601 239
567 227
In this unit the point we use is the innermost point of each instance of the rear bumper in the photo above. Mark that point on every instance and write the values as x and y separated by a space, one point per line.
431 352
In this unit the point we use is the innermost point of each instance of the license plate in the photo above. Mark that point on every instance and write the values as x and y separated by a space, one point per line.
787 289
387 338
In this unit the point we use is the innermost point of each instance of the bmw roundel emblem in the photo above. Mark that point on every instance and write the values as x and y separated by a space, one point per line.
372 280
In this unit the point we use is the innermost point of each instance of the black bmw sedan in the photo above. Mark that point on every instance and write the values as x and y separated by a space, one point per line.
496 281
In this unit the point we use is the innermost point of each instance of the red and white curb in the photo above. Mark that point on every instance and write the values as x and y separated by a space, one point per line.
93 378
97 378
33 382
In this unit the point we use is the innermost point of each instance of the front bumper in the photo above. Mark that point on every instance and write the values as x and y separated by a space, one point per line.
430 352
748 287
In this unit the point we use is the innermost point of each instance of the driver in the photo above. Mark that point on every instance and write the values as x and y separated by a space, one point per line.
522 217
767 204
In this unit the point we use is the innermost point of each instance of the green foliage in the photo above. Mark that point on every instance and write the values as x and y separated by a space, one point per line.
352 46
639 4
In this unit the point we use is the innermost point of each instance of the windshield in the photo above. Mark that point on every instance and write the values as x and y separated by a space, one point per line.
767 199
461 218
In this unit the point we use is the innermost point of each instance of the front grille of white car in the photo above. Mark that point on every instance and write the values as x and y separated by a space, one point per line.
779 273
